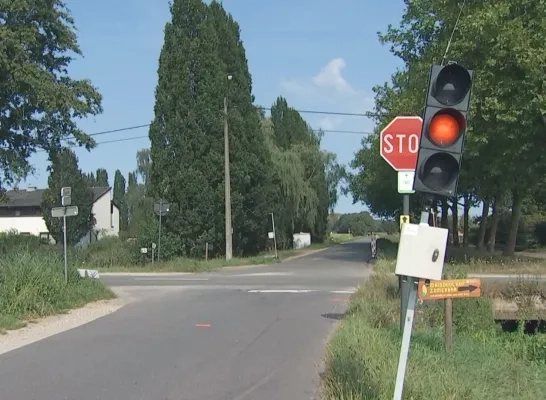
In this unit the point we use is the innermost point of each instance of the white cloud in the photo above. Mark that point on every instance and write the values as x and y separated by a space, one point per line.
329 90
331 77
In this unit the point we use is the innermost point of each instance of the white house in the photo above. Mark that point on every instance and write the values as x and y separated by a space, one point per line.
22 212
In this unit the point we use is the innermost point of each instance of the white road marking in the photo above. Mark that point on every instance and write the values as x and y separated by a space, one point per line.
300 291
168 278
135 274
263 274
280 291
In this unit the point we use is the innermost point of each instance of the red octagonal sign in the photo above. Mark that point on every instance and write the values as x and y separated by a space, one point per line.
400 142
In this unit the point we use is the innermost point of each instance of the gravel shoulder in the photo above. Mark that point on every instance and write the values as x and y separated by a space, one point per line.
44 327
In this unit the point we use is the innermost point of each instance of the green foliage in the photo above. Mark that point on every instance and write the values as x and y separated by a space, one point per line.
303 194
39 102
32 282
281 171
119 198
187 132
506 131
101 177
357 224
63 172
363 354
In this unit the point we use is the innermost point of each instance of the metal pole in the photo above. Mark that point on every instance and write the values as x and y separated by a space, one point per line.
274 235
159 238
404 281
406 339
65 252
229 243
408 323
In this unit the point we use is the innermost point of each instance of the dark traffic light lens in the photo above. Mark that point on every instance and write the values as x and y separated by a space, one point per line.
452 85
439 171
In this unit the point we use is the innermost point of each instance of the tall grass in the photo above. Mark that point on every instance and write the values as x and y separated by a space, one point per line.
116 254
485 364
32 282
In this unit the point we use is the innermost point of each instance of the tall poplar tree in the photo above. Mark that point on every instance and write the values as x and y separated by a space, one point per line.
251 183
187 132
119 198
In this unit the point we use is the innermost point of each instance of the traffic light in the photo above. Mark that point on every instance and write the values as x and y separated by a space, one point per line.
444 124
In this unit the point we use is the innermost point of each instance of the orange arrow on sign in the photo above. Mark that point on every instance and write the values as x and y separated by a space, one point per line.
449 289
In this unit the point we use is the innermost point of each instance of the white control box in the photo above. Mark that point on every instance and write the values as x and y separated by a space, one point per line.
421 251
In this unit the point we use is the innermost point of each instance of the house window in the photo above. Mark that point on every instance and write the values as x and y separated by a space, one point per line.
17 213
44 237
111 215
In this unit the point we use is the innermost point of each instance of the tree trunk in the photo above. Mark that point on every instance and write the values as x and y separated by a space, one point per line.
510 246
455 222
483 225
495 216
466 219
444 223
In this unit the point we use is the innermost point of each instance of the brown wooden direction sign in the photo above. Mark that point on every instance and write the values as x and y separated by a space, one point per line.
449 289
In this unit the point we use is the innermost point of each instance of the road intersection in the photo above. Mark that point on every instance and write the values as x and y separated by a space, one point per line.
236 334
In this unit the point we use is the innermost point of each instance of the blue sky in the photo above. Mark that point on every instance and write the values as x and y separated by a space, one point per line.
320 54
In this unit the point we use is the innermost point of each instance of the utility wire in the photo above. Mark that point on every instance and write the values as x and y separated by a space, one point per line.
133 127
453 32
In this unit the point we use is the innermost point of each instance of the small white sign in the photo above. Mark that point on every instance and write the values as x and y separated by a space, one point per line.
270 235
405 181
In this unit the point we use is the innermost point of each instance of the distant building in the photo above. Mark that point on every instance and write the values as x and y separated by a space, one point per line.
22 213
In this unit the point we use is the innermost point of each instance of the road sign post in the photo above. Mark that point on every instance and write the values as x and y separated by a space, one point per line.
399 145
421 254
65 212
161 208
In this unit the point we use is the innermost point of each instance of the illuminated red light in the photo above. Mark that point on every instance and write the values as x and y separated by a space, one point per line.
444 130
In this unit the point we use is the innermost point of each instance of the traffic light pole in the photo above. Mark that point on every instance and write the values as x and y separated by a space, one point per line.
404 283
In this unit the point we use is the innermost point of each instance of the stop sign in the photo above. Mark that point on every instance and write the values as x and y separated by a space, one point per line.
400 142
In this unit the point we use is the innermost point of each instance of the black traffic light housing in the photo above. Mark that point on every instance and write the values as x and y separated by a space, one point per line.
444 125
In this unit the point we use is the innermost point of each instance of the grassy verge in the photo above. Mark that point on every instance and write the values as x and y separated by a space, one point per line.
32 285
196 265
486 363
470 260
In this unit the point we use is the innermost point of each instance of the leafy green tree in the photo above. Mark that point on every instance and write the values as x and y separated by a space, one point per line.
119 198
90 179
500 42
187 131
64 171
300 168
144 165
336 174
358 224
38 100
250 161
102 177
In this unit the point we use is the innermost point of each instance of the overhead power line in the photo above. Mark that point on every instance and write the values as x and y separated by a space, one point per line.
133 127
347 114
129 128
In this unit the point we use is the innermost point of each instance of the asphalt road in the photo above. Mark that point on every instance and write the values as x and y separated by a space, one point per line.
240 334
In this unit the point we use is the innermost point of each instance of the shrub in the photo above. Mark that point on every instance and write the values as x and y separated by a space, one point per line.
107 252
32 284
